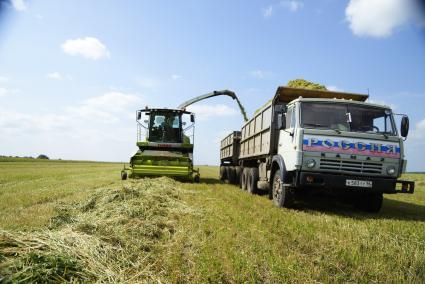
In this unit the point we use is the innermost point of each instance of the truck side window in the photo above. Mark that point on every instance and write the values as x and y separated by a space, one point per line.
293 118
289 117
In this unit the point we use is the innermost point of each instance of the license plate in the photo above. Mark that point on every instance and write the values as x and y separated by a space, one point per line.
358 183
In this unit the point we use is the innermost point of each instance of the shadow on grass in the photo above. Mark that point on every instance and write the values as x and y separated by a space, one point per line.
391 209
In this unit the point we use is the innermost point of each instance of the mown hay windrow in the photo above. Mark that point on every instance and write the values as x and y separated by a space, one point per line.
114 236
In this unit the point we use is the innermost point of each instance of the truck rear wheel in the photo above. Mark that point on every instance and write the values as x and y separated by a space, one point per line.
371 202
252 180
282 196
123 175
238 175
230 173
244 179
222 173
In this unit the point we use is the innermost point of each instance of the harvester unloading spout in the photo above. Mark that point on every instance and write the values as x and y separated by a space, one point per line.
215 94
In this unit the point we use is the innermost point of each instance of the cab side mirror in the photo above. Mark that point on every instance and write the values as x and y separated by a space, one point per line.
404 127
192 118
139 115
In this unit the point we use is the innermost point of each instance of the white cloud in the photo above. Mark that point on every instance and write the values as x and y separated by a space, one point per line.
148 83
292 5
3 79
176 77
378 18
260 74
267 12
54 76
88 47
333 88
206 111
107 108
19 5
383 103
7 91
418 133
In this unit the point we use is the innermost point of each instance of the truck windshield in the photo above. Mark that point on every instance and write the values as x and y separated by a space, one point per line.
347 117
164 127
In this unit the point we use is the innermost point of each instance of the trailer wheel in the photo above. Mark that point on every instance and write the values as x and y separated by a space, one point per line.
230 173
282 196
238 175
252 181
123 175
222 173
371 202
244 178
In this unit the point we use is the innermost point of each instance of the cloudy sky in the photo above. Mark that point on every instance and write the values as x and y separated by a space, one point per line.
72 73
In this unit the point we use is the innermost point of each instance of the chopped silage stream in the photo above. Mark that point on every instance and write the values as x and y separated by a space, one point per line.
114 236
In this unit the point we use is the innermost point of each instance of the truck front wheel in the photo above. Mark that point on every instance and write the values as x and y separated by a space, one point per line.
281 193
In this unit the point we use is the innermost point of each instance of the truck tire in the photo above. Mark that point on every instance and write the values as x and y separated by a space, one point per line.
238 175
371 202
252 181
282 195
222 173
230 173
123 175
244 178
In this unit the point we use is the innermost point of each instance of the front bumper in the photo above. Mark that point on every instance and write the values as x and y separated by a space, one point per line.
338 182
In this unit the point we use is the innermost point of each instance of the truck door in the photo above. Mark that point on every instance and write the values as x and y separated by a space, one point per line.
288 140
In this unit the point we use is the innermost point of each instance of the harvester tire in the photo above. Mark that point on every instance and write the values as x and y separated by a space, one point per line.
196 179
252 180
231 173
222 173
244 178
123 175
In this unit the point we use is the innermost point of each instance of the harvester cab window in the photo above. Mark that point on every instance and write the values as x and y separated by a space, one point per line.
165 127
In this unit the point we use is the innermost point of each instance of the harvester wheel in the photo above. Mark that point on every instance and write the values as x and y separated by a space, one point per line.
222 173
196 179
252 181
230 172
123 175
244 179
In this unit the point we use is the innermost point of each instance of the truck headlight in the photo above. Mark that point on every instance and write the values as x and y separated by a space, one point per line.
310 163
390 170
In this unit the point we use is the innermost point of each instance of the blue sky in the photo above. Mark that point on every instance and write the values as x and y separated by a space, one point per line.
72 73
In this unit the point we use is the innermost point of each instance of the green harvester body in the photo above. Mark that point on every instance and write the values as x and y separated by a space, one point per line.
165 150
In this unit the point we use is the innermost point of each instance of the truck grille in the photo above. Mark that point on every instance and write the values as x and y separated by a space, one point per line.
365 167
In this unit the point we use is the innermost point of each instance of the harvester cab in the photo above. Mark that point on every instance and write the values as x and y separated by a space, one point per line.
165 140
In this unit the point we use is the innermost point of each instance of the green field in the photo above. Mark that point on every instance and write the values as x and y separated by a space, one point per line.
78 222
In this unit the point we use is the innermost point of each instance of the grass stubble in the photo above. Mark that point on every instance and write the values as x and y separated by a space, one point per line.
160 230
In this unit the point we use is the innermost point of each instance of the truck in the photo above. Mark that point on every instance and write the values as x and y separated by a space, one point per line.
314 141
